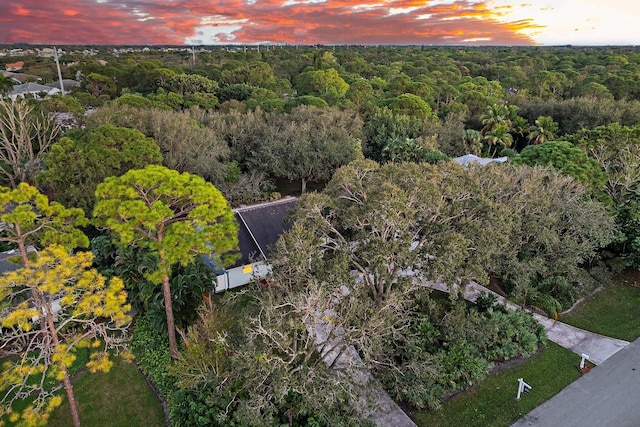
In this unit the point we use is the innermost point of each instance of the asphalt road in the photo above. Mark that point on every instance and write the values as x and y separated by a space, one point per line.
609 395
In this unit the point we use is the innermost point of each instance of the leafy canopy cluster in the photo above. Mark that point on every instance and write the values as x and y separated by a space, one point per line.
75 165
350 277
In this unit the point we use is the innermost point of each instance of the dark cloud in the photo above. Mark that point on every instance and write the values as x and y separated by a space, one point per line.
279 21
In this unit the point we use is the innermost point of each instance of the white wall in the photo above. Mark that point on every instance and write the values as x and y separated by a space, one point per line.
241 276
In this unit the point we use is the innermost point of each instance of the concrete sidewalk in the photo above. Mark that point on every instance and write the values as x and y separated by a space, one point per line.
598 347
606 396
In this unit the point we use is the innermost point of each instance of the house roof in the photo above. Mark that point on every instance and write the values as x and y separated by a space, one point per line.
32 88
260 226
15 66
66 83
5 264
482 161
19 77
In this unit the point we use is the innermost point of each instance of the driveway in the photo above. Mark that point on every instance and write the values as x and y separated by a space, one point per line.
606 396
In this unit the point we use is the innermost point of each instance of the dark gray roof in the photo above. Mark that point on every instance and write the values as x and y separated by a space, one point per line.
260 226
66 83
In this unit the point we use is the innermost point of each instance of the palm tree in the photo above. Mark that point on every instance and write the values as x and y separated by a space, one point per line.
543 130
495 114
6 83
472 140
498 135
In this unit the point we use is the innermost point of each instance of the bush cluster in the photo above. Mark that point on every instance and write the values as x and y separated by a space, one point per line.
460 344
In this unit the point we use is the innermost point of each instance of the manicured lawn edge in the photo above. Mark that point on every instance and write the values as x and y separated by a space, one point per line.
612 312
493 401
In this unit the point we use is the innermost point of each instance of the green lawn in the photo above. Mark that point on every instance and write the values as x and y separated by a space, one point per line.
613 311
493 401
119 398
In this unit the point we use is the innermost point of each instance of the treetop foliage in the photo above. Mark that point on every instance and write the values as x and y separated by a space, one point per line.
82 159
32 220
175 214
568 158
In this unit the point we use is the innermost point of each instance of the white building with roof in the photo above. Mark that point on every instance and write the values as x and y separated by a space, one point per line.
33 90
482 161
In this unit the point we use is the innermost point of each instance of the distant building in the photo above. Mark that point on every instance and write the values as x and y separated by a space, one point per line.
16 66
68 84
482 161
20 77
259 227
34 90
10 261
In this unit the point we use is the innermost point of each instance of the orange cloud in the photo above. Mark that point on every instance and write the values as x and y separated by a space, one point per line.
256 21
22 12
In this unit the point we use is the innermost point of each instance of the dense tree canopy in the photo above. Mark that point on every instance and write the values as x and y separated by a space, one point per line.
77 163
243 118
616 148
307 144
554 231
568 158
327 84
186 145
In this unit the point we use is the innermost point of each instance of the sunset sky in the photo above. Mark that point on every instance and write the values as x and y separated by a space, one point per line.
437 22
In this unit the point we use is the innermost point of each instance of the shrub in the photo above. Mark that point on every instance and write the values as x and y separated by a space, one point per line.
152 355
450 348
485 301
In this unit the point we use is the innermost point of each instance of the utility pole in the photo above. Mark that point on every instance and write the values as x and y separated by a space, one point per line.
55 56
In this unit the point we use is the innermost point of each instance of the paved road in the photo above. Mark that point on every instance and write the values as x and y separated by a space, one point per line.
606 396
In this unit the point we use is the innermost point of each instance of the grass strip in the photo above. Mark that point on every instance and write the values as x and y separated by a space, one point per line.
612 312
493 401
120 398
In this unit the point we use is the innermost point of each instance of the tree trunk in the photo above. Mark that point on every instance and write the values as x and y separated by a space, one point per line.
171 323
304 185
66 380
34 294
71 397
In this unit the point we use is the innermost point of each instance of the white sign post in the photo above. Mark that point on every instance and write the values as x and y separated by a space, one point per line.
522 388
584 357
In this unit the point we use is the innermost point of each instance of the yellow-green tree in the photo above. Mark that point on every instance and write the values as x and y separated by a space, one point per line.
177 216
29 220
77 307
